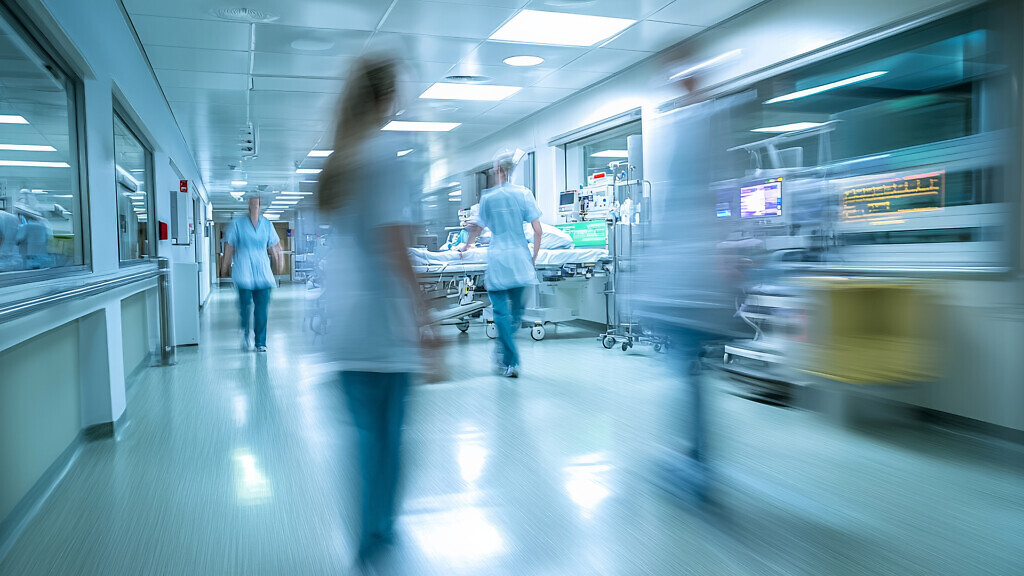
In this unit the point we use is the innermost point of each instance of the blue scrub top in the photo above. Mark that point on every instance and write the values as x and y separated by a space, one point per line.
503 209
251 265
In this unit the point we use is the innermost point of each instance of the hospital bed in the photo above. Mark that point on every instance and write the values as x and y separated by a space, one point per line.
556 299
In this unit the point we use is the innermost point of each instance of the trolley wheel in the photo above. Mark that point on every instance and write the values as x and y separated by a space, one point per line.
491 330
538 332
463 326
657 347
625 346
608 342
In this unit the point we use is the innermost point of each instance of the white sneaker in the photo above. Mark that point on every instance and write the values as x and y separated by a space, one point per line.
512 372
246 341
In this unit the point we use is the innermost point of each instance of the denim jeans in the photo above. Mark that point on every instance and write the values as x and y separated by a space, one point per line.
376 401
508 316
257 320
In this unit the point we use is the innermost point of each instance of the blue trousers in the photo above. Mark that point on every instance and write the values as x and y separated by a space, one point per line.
508 316
376 401
255 320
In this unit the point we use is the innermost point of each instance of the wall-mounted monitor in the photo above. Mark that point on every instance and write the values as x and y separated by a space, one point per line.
762 200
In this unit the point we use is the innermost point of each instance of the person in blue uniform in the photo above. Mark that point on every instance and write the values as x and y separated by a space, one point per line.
510 265
250 243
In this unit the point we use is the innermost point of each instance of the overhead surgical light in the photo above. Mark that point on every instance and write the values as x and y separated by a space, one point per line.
560 28
404 126
706 64
783 128
523 60
479 92
826 87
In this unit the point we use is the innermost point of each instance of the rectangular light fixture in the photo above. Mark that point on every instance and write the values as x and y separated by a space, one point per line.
31 164
706 64
404 152
480 92
559 28
239 182
63 196
27 148
12 119
309 170
457 193
403 126
782 128
284 202
320 153
296 193
826 87
611 154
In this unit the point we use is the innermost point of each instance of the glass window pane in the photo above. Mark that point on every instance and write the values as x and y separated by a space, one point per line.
132 178
40 203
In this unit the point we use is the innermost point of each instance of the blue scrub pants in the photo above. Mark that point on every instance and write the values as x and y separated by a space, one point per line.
255 320
376 401
508 317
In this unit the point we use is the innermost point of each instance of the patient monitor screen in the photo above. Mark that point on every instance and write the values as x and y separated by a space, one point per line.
762 200
567 199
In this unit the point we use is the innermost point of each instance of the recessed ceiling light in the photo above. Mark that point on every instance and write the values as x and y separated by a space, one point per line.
27 148
320 153
404 152
403 126
239 182
309 170
523 60
27 164
484 92
284 202
12 119
788 127
611 154
560 29
826 87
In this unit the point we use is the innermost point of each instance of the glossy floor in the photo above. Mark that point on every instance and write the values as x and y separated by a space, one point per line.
239 463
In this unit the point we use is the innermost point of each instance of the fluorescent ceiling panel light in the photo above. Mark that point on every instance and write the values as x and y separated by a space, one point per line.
63 196
706 64
523 60
296 193
239 182
38 191
480 92
320 153
284 202
559 28
309 170
454 194
455 199
27 148
128 175
404 152
272 216
28 164
403 126
611 154
826 87
782 128
12 119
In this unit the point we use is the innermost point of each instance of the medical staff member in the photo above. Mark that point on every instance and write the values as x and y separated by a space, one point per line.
246 245
510 265
373 298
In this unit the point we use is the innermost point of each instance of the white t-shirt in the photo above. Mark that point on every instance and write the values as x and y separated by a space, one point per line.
371 308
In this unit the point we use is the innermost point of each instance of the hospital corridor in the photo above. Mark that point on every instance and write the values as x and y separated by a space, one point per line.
511 287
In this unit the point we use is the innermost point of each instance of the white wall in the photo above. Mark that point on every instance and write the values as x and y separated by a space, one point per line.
771 33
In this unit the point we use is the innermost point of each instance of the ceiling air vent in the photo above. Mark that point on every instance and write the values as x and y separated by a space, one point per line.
468 79
250 15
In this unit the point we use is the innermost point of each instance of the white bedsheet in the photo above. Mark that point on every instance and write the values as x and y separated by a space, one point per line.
476 259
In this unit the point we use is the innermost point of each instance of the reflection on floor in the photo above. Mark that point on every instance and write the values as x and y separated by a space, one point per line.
239 463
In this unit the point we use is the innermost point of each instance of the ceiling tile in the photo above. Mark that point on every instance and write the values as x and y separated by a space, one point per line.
210 96
214 35
285 84
548 95
423 48
574 79
444 19
498 3
650 36
507 110
700 12
174 58
633 9
334 14
277 64
494 53
503 74
421 71
310 41
211 80
287 100
606 60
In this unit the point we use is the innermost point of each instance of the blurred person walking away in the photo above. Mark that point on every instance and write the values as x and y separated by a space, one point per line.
510 266
372 292
246 260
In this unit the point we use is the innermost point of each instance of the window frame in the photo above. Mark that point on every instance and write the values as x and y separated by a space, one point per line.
37 41
120 113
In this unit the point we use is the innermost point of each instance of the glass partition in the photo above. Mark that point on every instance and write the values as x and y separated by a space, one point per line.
133 178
